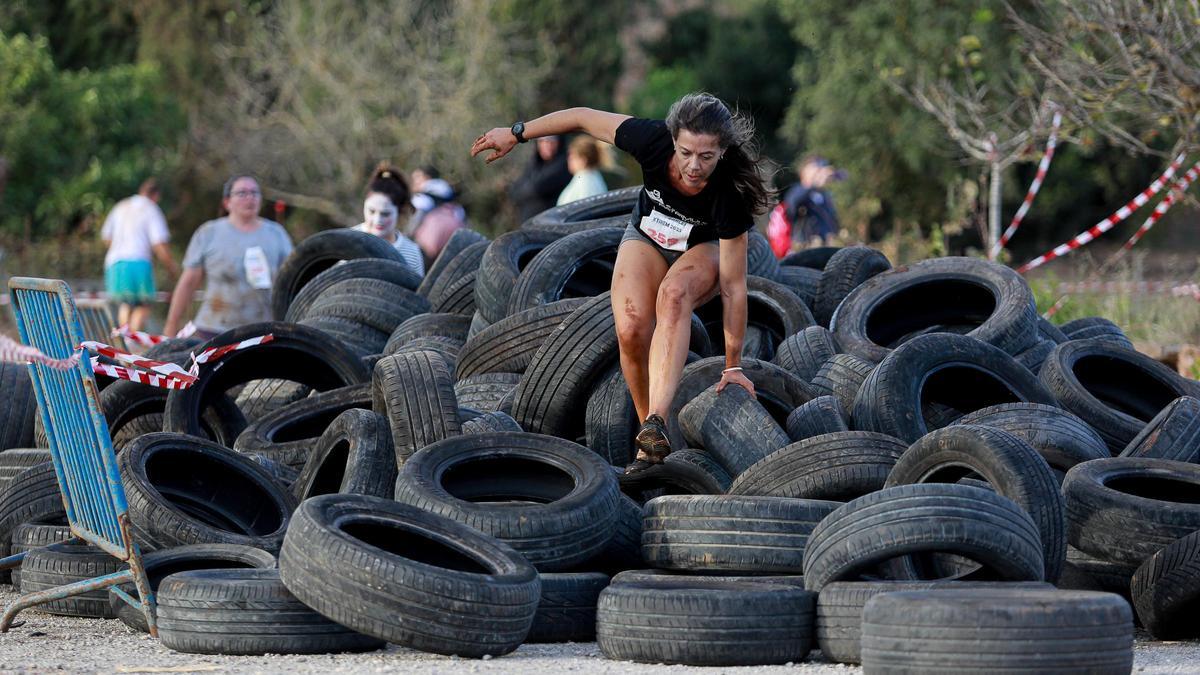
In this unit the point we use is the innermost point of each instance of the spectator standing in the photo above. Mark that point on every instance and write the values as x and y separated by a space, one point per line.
386 196
585 158
543 179
134 231
808 205
239 254
442 220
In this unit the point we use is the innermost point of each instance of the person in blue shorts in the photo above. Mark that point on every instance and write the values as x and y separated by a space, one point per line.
135 230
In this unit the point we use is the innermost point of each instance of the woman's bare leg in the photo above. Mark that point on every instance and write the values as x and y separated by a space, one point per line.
638 271
690 282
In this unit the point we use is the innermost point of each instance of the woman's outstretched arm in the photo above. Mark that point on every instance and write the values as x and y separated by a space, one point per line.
598 124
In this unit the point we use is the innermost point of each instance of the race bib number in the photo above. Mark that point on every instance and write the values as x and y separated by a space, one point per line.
670 233
258 272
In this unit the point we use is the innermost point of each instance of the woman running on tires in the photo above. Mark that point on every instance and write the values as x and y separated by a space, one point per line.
686 241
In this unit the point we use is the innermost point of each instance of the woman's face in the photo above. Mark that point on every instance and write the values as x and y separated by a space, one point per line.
380 214
245 199
696 157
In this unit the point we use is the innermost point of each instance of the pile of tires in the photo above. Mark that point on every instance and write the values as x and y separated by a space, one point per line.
436 462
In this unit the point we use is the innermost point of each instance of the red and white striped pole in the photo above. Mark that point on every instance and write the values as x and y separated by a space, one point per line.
1043 167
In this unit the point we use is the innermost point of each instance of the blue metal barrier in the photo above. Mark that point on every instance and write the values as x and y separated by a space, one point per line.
80 446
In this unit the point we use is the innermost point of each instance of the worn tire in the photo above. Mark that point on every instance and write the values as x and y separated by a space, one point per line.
36 535
777 390
700 622
987 301
1166 590
1007 463
489 422
318 253
1174 433
161 564
1005 630
19 408
567 609
246 612
402 574
803 353
428 325
509 344
954 371
1115 390
353 456
841 377
184 490
297 353
416 393
502 263
49 567
822 415
837 467
1061 438
289 434
579 265
556 500
728 534
845 271
732 427
485 391
924 518
559 378
32 497
840 609
1125 509
391 271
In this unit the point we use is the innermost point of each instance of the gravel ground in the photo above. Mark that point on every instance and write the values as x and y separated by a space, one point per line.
55 643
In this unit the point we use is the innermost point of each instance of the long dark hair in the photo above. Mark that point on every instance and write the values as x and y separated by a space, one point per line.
702 113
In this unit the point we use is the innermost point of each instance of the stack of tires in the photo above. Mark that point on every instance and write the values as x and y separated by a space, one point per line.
929 477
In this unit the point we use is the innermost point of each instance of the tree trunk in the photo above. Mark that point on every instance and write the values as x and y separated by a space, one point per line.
994 208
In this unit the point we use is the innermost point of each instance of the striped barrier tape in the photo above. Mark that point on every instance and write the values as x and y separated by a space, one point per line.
1108 223
1176 191
1043 167
12 351
158 373
150 339
1179 188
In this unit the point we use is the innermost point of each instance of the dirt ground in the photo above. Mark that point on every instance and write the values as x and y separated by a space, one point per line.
46 643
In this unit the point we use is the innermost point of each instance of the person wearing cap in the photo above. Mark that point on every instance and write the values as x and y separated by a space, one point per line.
808 205
438 216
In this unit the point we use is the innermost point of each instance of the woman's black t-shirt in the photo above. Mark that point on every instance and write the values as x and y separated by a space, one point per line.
672 220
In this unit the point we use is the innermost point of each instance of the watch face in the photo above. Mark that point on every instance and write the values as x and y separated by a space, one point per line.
518 130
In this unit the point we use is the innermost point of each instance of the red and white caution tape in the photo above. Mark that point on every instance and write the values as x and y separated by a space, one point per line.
1043 167
150 339
158 373
12 351
1106 224
1178 189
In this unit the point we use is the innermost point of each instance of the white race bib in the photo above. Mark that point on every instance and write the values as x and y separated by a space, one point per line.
670 233
258 272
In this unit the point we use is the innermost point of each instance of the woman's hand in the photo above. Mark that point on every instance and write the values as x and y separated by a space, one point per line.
500 139
729 377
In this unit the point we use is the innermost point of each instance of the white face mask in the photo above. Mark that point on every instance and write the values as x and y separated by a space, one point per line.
379 213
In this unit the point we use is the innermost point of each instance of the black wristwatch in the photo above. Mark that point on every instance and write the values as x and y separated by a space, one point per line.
518 130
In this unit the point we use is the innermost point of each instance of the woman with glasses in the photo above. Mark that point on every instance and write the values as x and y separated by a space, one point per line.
239 255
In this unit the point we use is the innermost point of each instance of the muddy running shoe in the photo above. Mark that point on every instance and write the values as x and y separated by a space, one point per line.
651 443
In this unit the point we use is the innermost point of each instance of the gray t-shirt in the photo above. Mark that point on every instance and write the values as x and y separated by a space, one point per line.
238 268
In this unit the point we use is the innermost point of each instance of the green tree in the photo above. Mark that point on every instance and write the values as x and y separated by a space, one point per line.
76 141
